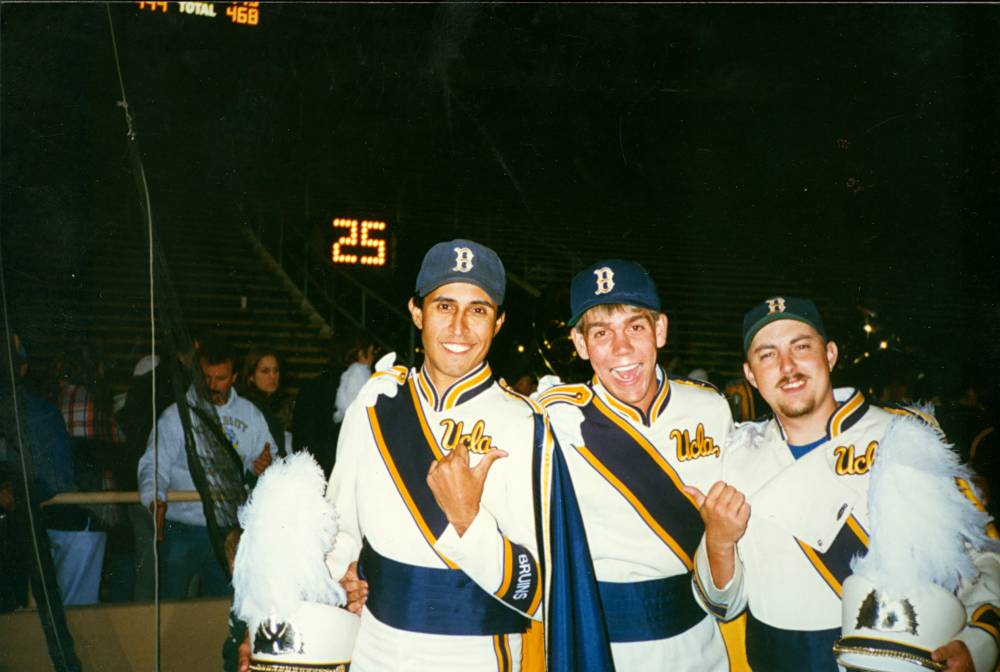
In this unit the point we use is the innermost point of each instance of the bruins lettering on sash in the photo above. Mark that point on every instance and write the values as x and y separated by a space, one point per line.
849 464
692 449
476 441
523 577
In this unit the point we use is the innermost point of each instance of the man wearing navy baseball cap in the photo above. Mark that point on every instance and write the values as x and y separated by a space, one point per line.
434 484
808 472
633 439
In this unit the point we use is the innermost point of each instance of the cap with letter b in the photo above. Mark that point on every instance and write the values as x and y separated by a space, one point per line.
780 308
611 281
462 260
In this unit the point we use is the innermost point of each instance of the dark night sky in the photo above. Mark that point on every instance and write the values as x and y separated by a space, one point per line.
853 146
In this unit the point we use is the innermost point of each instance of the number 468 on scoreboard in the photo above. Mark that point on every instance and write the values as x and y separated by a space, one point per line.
365 236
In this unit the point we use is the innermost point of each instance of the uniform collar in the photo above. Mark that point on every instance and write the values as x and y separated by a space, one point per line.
633 413
462 390
851 407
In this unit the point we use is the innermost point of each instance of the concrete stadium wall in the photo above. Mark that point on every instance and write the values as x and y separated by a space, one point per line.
119 638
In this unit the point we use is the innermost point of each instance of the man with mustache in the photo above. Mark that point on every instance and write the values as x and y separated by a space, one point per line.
187 550
807 473
633 439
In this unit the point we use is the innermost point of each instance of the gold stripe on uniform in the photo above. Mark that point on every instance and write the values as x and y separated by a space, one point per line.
983 625
452 396
638 506
830 579
970 494
431 441
401 486
508 568
844 412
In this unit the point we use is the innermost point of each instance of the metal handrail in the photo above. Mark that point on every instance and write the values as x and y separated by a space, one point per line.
317 286
116 497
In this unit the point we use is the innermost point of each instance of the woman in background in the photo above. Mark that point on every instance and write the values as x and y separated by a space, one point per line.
359 360
261 384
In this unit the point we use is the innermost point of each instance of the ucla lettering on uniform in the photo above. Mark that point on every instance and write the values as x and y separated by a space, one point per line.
463 259
605 280
476 441
775 305
523 577
692 449
848 464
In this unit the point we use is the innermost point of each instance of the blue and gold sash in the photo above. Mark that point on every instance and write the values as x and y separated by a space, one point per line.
835 565
408 448
633 467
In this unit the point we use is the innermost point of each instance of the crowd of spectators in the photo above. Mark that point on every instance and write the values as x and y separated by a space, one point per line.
83 439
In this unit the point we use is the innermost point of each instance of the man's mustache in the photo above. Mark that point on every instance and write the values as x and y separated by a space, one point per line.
792 379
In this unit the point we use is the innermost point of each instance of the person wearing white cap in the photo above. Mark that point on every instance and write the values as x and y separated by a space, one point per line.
838 525
633 438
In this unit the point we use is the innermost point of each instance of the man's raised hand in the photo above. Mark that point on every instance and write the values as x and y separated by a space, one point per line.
724 510
263 460
457 487
725 513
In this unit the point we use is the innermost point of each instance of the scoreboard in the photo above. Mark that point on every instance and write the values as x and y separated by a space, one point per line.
359 243
238 13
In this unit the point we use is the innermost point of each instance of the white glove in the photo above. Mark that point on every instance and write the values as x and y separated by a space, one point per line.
385 380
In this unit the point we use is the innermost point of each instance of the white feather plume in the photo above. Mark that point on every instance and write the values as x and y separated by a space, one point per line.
288 528
920 522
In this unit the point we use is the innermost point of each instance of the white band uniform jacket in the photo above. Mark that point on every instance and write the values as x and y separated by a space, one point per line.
808 517
687 427
242 423
498 550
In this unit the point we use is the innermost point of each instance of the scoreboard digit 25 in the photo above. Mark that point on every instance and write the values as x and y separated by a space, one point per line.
361 243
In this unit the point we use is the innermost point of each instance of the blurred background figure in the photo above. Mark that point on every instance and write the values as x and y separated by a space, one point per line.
744 400
75 536
523 377
969 416
323 400
84 399
359 360
313 428
136 421
261 383
231 424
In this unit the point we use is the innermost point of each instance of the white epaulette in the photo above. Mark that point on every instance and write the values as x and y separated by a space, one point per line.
576 394
746 436
387 379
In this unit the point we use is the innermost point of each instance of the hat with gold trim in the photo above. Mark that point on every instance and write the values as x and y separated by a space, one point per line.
780 308
887 633
282 587
611 281
900 603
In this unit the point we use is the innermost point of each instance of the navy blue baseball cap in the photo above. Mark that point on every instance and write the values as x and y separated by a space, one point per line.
462 261
611 281
780 308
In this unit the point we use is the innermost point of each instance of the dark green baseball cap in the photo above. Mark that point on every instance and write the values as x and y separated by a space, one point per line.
780 308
